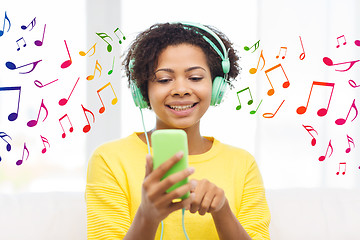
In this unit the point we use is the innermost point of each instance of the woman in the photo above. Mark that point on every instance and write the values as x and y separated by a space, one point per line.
178 69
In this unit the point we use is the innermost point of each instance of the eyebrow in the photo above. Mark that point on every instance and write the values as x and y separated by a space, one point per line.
186 70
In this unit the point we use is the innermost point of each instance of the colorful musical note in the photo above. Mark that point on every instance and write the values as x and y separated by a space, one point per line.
124 38
82 53
66 63
271 115
97 67
32 23
111 71
87 127
44 140
113 102
302 55
329 62
8 145
322 158
13 116
19 162
103 36
40 85
337 46
257 44
12 66
343 164
6 18
341 121
286 84
353 84
350 140
323 111
38 42
33 123
254 70
63 101
309 129
285 49
17 42
249 102
254 111
71 129
357 43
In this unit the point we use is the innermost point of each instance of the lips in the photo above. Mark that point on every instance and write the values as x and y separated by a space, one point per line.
181 107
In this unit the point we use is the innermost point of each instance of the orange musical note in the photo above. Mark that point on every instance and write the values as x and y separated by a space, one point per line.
32 23
350 140
17 42
249 102
71 129
113 102
44 140
103 36
19 162
8 145
286 84
124 38
353 84
87 127
309 129
329 62
111 71
254 70
38 42
82 53
40 85
271 115
12 66
302 55
341 121
337 46
322 158
97 67
2 31
66 63
257 44
33 123
323 111
63 101
13 116
283 57
344 164
254 111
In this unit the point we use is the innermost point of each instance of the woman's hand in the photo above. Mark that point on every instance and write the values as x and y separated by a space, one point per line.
208 197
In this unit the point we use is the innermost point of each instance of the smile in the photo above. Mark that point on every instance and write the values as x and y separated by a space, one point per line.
182 107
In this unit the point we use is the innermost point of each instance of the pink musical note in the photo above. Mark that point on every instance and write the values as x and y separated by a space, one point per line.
71 129
87 127
322 158
286 84
357 43
97 67
63 101
38 42
19 162
254 111
8 145
13 116
350 140
44 140
302 55
337 46
329 62
353 84
111 71
256 45
113 102
323 111
82 53
344 164
254 70
309 129
6 18
271 115
249 102
103 36
33 123
285 49
12 66
124 38
32 23
40 85
17 42
341 121
66 63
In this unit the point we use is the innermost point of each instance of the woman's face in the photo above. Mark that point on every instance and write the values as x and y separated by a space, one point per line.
180 93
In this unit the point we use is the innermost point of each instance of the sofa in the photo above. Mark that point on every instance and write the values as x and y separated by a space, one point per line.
296 214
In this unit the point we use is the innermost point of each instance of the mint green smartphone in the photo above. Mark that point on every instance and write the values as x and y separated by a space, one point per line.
165 144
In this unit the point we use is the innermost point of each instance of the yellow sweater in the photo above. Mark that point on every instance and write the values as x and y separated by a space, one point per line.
113 192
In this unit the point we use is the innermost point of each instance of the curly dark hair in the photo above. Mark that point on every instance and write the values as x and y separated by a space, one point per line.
144 51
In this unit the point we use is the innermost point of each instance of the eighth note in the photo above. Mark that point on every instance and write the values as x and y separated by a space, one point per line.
12 66
33 123
341 121
257 44
82 53
286 84
254 70
2 31
87 127
322 158
8 146
32 23
249 102
71 129
337 46
19 162
343 173
113 102
17 42
329 62
117 29
283 57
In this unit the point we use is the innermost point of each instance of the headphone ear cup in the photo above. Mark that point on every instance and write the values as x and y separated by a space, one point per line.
218 90
137 96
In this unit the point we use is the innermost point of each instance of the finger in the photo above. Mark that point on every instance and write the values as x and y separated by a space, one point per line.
163 168
176 193
166 183
149 165
199 195
182 204
206 203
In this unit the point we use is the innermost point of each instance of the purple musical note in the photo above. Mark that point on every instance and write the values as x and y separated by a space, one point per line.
13 116
33 123
38 42
8 146
19 162
12 66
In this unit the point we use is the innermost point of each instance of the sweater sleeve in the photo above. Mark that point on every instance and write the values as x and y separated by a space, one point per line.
108 214
254 212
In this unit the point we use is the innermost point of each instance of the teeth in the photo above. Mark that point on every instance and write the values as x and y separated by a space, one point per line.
181 108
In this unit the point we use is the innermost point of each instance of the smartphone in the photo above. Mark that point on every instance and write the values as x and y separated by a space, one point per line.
165 144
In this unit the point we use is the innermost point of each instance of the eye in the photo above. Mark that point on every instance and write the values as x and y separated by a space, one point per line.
163 80
196 79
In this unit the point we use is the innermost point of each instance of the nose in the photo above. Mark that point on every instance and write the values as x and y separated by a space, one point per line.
181 88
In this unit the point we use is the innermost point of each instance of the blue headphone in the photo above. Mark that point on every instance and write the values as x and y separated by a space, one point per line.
219 83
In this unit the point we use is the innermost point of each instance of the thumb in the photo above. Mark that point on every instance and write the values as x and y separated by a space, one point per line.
149 165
